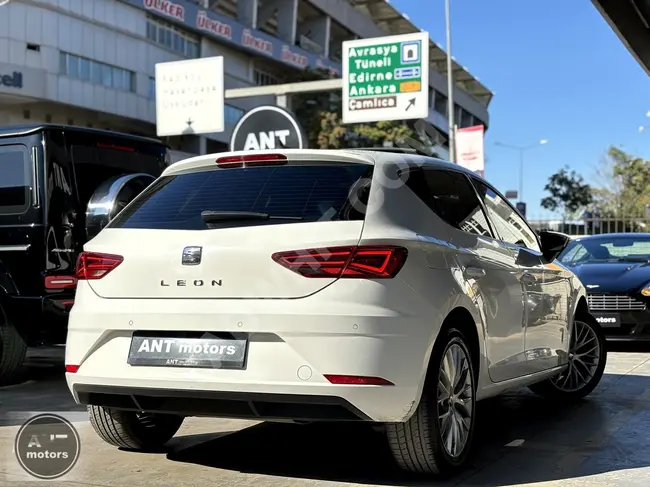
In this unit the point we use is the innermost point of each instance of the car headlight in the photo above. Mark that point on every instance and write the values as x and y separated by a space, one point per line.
645 290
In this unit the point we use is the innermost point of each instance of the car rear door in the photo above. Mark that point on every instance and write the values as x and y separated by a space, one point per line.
546 292
484 267
21 232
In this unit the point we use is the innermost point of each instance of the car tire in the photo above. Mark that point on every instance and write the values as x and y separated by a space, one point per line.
13 350
418 444
132 430
587 344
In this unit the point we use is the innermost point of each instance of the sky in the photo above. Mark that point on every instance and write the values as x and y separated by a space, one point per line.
558 72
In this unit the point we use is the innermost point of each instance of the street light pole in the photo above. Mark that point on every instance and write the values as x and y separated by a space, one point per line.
450 86
521 174
521 150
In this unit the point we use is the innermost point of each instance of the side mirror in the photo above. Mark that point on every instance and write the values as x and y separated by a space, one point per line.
553 243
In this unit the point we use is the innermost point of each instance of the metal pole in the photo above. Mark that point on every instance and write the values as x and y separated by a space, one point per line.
521 175
450 87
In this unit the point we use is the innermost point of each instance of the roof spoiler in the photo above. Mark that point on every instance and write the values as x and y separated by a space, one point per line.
393 149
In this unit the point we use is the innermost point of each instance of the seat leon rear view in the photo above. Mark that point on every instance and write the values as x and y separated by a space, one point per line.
310 285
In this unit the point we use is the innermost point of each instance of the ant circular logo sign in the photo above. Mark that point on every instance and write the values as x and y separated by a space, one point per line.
47 446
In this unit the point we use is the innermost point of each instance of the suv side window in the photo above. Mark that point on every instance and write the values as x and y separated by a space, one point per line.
508 224
451 196
15 179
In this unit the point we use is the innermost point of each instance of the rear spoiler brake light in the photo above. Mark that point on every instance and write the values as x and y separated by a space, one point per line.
116 147
251 160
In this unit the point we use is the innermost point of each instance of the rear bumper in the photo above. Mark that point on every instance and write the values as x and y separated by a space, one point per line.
292 346
264 407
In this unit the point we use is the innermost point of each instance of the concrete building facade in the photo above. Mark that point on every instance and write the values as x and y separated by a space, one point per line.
91 62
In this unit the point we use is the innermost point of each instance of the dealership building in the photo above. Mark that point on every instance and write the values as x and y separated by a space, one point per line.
91 62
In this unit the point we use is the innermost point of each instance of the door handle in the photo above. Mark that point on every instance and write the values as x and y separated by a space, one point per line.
473 271
528 279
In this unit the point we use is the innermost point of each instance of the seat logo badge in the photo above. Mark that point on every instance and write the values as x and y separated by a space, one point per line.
191 256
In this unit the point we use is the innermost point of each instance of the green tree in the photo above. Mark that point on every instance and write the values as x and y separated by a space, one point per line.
320 116
568 193
633 175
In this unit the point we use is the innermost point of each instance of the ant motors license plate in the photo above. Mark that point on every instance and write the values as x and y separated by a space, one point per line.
212 353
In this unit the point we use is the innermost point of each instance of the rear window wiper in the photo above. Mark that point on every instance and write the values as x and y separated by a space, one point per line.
210 216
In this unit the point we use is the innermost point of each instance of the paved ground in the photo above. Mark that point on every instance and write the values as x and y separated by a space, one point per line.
522 440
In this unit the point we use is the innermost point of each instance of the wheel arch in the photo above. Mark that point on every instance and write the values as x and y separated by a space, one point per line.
467 320
7 284
582 308
7 288
464 321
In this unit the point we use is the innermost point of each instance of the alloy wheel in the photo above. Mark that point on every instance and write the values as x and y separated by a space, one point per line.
455 394
584 357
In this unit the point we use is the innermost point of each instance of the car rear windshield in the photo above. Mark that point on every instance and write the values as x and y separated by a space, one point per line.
285 194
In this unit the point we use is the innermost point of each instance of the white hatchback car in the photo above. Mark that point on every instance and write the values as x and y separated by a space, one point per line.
312 285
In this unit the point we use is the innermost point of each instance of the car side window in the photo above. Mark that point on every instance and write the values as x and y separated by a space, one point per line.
15 179
451 196
508 224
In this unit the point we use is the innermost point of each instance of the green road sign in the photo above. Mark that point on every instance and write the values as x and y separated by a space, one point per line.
386 78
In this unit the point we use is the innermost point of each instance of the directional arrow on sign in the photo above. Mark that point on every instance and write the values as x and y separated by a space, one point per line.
411 104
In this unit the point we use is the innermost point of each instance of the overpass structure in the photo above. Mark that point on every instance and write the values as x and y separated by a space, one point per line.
630 19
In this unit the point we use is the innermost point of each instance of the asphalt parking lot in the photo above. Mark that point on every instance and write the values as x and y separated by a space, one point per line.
522 440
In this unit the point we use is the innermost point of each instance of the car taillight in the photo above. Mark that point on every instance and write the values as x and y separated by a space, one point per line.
251 160
360 262
93 266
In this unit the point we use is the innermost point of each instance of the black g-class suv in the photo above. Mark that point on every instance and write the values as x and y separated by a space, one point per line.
59 185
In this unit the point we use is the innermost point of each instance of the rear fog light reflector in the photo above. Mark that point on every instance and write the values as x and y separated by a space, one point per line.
60 282
358 380
71 368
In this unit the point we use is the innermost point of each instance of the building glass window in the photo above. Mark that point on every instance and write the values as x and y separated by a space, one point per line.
466 119
107 76
173 38
262 78
231 114
84 69
440 104
97 73
152 87
72 66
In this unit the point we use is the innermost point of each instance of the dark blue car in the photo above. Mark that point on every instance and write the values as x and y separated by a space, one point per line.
615 269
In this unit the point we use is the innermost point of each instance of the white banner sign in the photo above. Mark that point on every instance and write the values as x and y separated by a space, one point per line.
190 97
470 151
